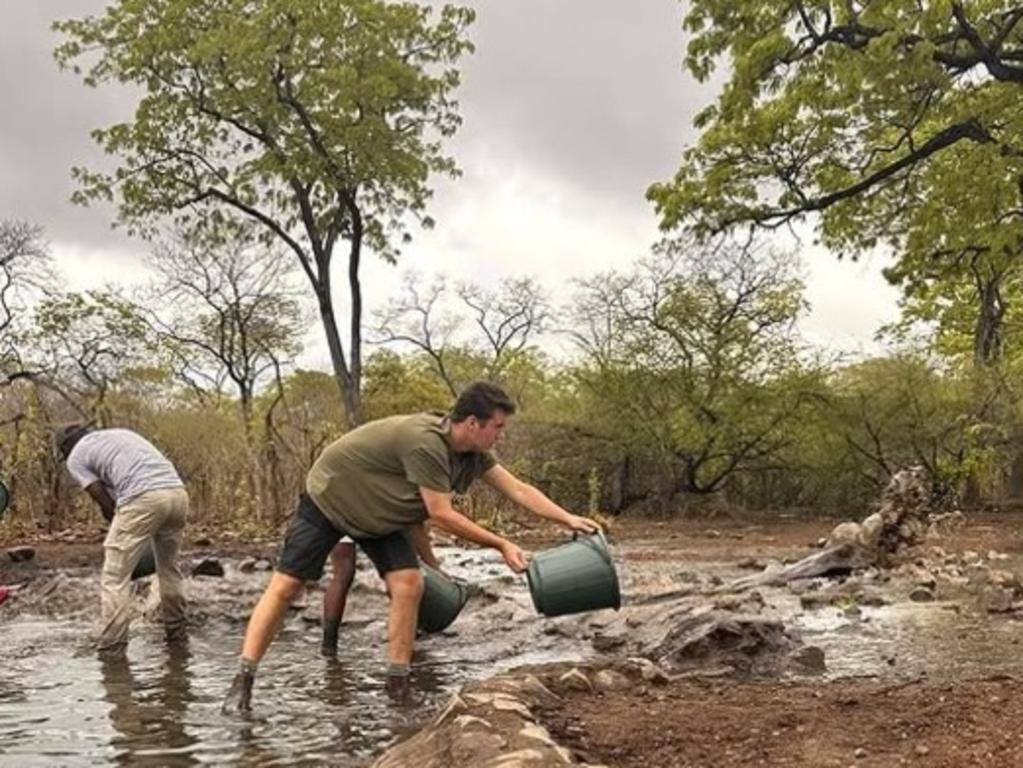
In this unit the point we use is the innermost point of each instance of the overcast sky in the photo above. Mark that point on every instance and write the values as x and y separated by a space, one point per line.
571 109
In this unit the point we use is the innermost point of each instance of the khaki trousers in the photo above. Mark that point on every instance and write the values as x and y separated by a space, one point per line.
158 516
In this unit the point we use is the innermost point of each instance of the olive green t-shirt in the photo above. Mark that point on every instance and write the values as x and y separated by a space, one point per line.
367 482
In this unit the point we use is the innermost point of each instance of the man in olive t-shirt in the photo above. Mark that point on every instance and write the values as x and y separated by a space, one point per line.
379 484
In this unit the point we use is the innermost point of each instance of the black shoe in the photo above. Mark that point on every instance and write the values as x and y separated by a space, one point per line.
239 698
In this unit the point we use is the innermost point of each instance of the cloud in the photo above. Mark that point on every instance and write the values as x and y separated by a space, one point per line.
571 109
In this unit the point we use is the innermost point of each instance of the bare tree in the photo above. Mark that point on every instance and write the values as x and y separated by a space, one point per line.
508 318
234 318
24 272
505 321
417 318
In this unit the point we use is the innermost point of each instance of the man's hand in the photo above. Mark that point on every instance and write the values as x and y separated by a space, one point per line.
513 556
582 524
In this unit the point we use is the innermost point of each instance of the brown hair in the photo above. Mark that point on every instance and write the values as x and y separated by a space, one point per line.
481 399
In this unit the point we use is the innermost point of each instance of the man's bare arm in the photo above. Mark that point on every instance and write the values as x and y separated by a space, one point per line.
533 499
106 504
444 515
424 547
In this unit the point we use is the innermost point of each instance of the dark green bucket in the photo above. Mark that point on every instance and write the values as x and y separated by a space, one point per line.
443 599
5 498
575 577
146 565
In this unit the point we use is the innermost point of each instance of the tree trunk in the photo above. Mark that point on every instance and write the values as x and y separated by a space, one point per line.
337 358
987 334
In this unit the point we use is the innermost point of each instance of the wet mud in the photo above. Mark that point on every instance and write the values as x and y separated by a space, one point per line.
681 636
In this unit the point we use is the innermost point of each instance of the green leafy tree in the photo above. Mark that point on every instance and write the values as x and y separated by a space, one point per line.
886 122
322 122
693 358
839 108
896 122
906 409
89 340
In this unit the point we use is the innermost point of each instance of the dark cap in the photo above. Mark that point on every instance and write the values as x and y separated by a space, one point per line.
66 437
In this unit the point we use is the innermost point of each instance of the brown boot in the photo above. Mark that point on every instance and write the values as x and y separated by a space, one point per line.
398 688
239 698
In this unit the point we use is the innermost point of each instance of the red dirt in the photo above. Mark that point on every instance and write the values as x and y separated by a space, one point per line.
732 725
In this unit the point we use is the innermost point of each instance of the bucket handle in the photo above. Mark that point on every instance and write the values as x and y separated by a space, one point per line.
602 551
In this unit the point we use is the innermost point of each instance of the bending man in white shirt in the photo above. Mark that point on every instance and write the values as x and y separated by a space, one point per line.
140 493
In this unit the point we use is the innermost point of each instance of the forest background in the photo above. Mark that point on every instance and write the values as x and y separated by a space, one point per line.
272 152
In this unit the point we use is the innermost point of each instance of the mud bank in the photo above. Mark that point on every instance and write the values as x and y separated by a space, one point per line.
603 688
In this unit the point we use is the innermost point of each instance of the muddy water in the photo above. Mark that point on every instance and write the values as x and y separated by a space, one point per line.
61 705
941 641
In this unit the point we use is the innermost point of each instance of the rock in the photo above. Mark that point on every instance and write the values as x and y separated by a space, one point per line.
1006 580
993 555
208 567
248 565
870 531
610 680
978 574
607 643
712 638
873 599
648 671
748 602
575 680
262 564
810 658
203 541
918 575
922 750
523 758
844 533
21 554
811 600
921 594
996 599
860 753
456 706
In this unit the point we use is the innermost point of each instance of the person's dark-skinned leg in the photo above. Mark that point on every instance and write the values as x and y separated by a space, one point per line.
342 558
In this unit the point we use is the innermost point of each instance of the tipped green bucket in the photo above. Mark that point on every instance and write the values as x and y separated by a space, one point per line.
575 577
443 599
146 565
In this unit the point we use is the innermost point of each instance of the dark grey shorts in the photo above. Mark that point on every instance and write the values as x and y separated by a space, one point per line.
311 536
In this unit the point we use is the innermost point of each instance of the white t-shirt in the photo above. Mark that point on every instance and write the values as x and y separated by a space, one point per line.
126 463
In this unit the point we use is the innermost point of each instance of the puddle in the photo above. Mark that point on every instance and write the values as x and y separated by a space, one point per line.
942 641
59 706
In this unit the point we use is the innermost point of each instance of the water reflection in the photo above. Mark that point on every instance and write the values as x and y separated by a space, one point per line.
161 706
149 716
